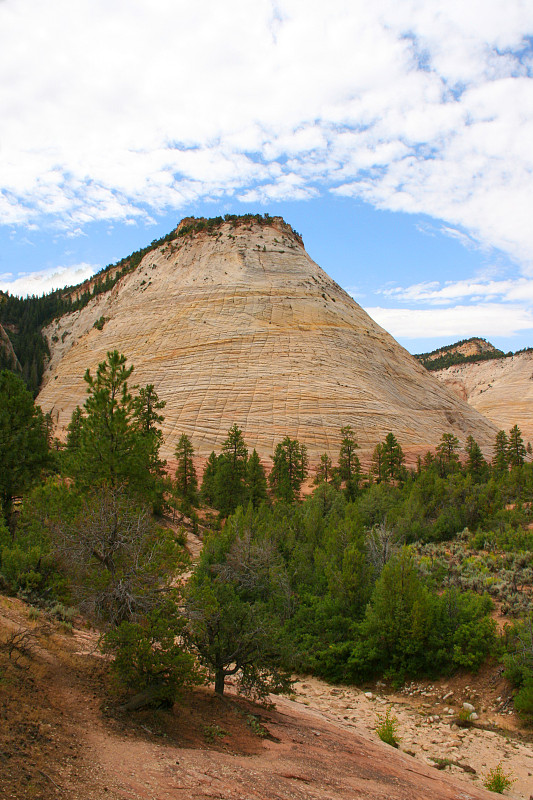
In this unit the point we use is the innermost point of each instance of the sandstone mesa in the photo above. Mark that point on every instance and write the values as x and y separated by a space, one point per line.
239 325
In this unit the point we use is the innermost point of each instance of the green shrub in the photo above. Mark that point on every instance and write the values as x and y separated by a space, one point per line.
99 323
387 728
20 569
523 701
213 732
497 780
28 565
149 655
463 719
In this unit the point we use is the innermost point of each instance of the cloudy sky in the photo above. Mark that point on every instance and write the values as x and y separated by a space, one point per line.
397 137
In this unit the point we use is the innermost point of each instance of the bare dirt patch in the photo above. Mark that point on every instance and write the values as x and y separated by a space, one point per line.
63 734
427 716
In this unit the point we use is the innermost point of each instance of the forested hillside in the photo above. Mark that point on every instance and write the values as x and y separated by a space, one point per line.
353 582
466 351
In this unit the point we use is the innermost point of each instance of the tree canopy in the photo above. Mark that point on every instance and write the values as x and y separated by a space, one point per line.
114 440
24 446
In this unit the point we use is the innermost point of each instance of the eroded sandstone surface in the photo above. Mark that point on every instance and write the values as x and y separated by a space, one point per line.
501 389
240 325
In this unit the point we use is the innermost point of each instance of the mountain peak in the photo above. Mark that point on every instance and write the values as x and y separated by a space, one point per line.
233 322
189 226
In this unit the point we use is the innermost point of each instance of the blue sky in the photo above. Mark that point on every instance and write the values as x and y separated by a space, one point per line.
397 140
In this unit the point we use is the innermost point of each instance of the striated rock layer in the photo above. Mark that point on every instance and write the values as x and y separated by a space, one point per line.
8 359
501 389
240 325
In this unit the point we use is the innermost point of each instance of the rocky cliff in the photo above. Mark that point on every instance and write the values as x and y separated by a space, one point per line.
501 389
236 323
8 359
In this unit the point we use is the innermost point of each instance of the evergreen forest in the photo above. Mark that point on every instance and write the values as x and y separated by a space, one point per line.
347 572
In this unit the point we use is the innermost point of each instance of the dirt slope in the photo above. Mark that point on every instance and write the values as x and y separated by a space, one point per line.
62 736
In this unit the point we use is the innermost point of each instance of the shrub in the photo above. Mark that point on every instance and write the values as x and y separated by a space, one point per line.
387 728
497 780
99 323
523 701
149 656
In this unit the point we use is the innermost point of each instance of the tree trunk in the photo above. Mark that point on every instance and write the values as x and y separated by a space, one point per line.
219 681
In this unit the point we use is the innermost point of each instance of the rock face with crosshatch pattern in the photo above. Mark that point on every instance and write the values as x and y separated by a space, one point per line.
241 326
501 389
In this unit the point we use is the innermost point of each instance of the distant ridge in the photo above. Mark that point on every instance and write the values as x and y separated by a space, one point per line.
463 352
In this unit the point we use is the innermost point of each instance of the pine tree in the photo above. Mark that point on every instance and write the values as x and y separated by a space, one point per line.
349 469
186 481
256 483
112 449
475 463
349 464
393 458
377 467
500 460
207 491
74 429
428 460
447 453
289 469
230 480
516 450
24 451
146 405
324 471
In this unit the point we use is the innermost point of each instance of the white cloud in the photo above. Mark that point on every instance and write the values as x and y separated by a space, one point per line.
432 292
485 319
110 108
44 281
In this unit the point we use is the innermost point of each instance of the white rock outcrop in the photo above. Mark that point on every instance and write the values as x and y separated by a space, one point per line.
241 326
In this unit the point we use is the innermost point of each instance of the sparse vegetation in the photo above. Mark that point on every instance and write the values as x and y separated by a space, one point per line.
99 323
213 732
498 780
450 355
387 728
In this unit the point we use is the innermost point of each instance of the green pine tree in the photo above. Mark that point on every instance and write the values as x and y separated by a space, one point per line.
378 466
349 469
230 480
448 453
24 446
186 481
475 463
114 449
256 483
500 459
289 469
324 471
208 488
393 458
516 451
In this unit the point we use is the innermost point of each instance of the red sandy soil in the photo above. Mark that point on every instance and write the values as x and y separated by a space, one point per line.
63 735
